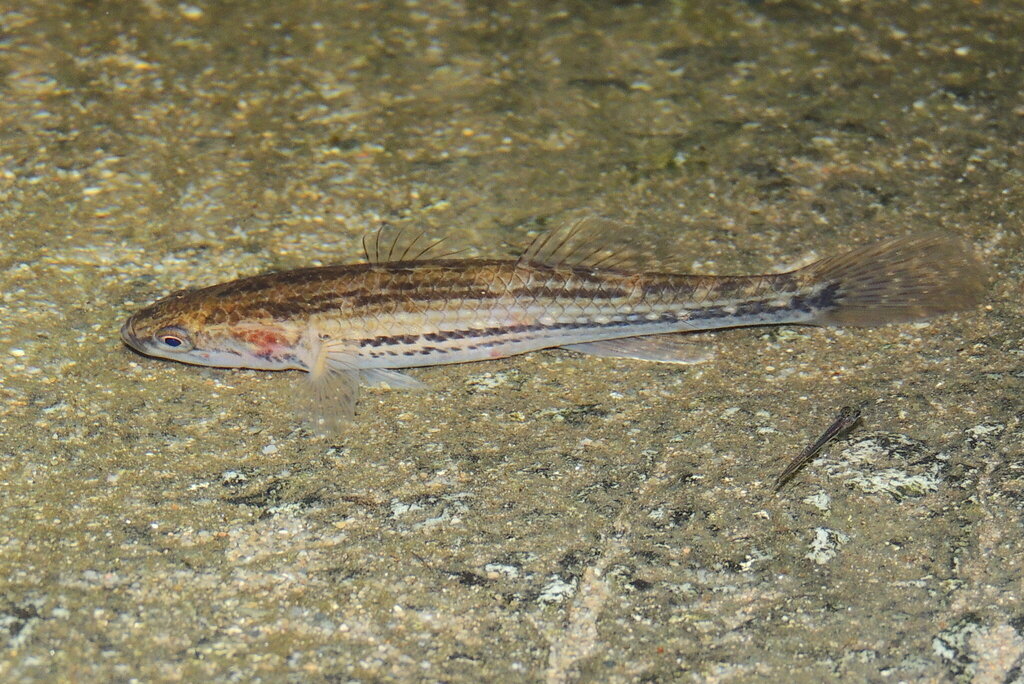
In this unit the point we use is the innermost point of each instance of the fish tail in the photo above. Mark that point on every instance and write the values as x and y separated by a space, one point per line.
899 280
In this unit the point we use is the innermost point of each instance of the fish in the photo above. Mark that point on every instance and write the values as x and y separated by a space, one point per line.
572 288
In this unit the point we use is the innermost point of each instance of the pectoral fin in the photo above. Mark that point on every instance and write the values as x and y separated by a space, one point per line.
332 398
334 379
332 387
670 348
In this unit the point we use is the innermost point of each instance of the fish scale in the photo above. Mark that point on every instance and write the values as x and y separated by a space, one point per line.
348 323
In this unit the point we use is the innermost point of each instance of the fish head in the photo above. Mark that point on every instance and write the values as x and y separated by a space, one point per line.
197 327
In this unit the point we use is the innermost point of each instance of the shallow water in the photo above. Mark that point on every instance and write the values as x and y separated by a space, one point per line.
549 516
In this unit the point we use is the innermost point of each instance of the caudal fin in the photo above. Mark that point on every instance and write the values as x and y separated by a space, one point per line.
905 279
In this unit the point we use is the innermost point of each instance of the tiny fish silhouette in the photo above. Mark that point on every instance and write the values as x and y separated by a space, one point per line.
350 324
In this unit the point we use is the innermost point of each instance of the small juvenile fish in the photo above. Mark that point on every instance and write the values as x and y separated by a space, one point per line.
847 417
350 324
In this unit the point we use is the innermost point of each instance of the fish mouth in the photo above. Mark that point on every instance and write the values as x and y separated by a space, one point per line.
128 335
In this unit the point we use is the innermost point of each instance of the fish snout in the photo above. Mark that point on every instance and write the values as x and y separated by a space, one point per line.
128 334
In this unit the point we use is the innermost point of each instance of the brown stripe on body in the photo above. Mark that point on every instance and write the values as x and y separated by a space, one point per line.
466 294
633 303
699 289
687 314
365 289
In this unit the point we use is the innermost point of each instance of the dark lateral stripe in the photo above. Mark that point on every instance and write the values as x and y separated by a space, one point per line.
808 303
481 334
823 300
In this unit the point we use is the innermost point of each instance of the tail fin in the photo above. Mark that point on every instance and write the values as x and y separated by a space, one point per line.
905 279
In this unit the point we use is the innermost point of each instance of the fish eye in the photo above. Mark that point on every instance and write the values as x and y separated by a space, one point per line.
173 338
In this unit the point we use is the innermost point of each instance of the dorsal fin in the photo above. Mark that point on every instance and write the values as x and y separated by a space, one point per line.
589 242
388 243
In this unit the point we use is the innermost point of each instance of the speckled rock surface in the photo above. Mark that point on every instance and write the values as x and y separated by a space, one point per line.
550 517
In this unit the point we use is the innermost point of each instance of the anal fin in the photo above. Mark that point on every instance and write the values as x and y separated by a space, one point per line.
390 378
668 348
